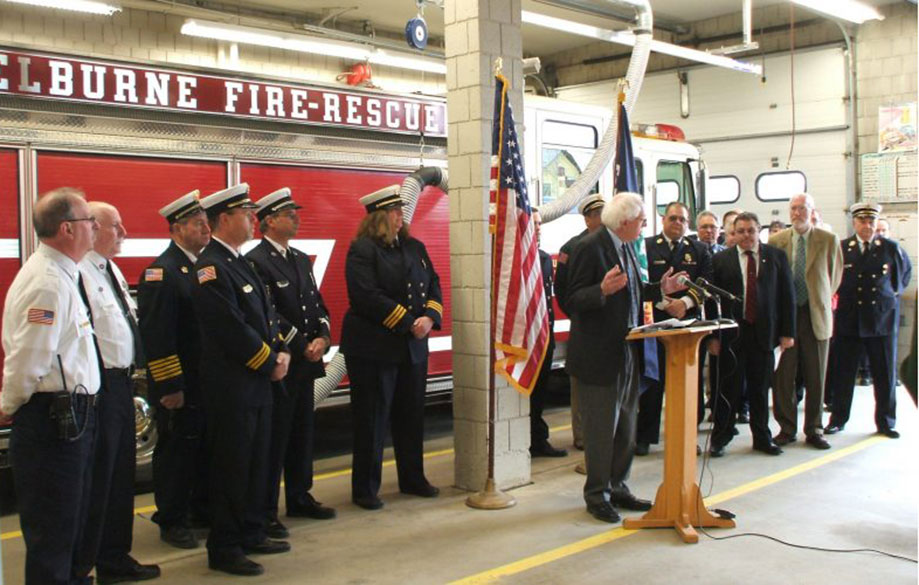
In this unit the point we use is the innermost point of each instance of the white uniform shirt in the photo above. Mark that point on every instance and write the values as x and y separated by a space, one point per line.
44 318
116 341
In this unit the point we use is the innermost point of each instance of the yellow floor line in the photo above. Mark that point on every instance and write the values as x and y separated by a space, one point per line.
318 477
492 575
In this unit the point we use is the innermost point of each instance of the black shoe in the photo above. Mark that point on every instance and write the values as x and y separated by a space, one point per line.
832 429
642 449
630 502
768 449
274 529
604 512
743 418
716 451
238 565
579 445
818 441
734 431
179 537
308 507
425 491
544 449
783 439
698 450
267 547
129 570
368 503
890 433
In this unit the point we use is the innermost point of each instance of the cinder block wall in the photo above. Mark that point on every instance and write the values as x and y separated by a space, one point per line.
142 35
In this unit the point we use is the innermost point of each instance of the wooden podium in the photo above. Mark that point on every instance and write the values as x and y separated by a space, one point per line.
678 503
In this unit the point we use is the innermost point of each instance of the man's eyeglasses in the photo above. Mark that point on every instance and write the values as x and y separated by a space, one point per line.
90 218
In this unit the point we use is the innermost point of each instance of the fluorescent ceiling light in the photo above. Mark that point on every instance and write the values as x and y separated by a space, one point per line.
857 12
310 44
628 38
91 6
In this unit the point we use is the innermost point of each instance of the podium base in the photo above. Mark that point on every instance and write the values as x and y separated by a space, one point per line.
490 498
683 514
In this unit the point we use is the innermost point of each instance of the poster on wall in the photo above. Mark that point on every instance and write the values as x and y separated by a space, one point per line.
897 127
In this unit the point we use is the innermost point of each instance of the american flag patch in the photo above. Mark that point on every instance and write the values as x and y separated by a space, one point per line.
41 316
207 273
153 274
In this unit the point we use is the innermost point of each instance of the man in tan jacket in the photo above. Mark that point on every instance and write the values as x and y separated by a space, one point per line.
816 265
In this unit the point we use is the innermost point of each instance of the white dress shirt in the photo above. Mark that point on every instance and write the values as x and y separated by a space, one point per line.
116 342
44 319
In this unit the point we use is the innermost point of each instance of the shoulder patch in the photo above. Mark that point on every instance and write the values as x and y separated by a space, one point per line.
153 274
40 316
207 273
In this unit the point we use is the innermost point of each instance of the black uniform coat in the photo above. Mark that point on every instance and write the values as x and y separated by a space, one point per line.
687 255
775 295
388 288
168 326
869 295
561 270
596 345
302 314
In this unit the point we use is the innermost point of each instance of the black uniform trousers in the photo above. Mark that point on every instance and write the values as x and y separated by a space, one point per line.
291 448
882 355
109 528
380 393
180 463
651 402
539 430
238 472
751 367
53 478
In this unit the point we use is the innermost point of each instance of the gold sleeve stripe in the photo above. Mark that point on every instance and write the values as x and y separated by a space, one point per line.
163 369
163 361
395 316
431 304
166 375
258 360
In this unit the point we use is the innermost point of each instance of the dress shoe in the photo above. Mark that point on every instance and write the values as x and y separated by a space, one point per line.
768 449
369 502
743 418
128 570
734 431
274 529
425 491
269 546
179 537
832 429
890 433
581 468
818 442
308 507
783 439
630 502
579 445
237 565
544 449
716 451
642 449
604 512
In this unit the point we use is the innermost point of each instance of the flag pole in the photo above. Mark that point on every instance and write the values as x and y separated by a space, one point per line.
491 498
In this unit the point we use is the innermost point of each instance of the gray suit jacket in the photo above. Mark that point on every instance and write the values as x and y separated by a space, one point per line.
823 273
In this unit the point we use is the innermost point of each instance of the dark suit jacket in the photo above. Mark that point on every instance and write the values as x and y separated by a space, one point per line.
239 330
168 326
775 295
599 324
869 296
688 255
561 270
302 314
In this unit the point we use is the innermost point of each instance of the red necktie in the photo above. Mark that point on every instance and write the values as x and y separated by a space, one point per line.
749 307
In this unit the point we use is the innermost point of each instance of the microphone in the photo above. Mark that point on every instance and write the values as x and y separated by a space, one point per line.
701 282
694 287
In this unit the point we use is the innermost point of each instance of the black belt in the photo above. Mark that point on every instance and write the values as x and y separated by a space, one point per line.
78 398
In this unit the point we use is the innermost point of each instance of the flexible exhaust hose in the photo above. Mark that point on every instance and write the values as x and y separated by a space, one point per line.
607 149
410 190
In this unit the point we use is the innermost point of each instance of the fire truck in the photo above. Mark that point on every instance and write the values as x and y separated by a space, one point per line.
141 154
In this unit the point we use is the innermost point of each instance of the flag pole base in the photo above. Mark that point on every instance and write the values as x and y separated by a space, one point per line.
491 498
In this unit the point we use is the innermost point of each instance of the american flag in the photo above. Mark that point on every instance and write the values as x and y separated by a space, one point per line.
521 319
41 316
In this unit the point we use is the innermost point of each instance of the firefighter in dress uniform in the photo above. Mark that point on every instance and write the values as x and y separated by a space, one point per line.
875 272
395 301
304 325
172 340
242 355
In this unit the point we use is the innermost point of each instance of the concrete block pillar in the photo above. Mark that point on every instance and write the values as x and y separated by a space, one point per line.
477 32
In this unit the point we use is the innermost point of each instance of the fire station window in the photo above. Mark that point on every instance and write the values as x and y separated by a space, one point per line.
723 189
566 150
675 183
780 186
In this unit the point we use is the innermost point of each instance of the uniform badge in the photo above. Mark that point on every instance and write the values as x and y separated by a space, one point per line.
283 283
207 273
660 240
153 274
184 269
247 288
41 316
687 257
852 244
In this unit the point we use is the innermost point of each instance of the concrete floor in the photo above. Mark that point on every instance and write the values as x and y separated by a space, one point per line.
860 494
